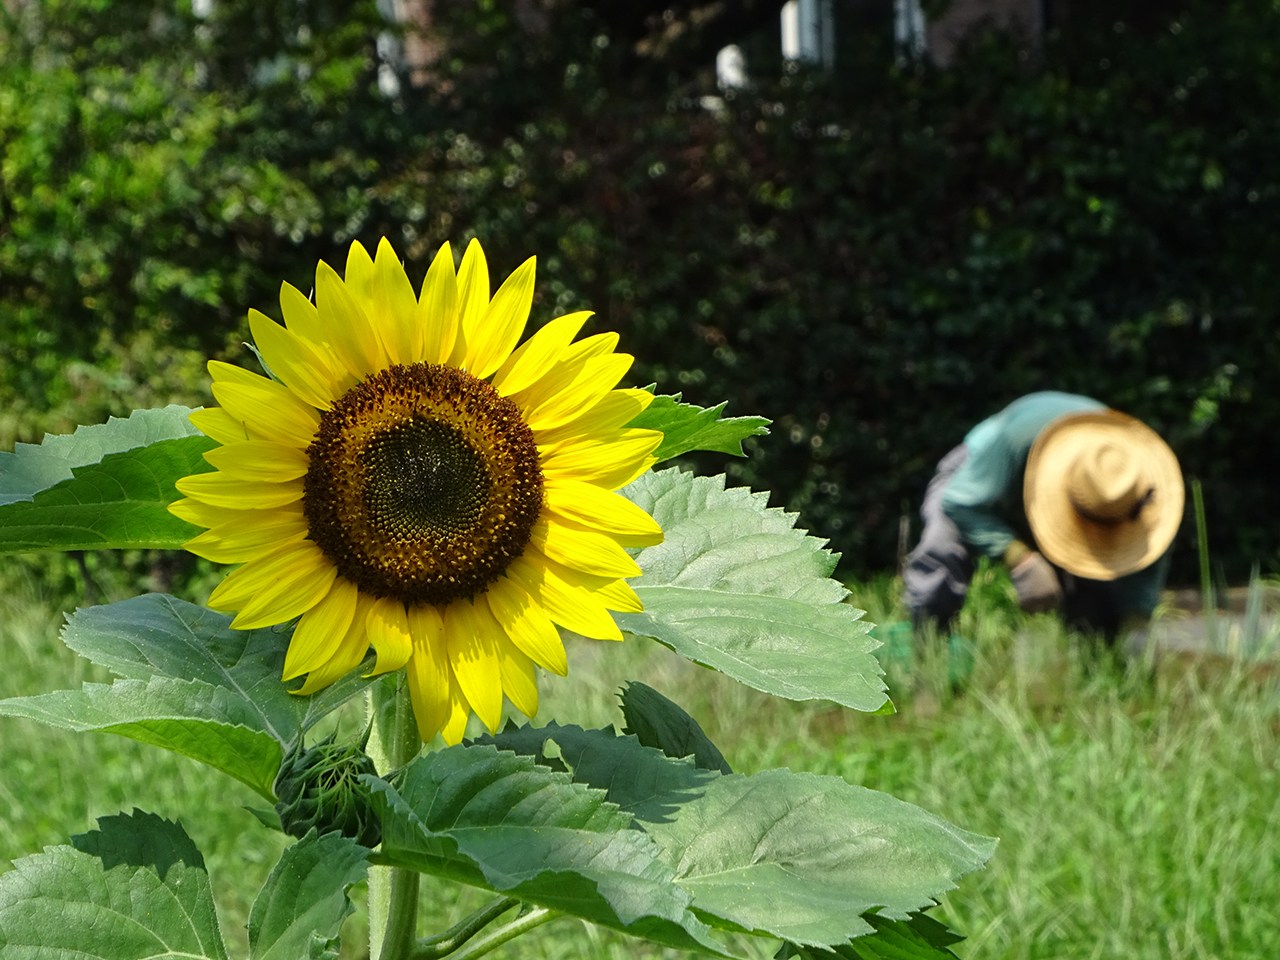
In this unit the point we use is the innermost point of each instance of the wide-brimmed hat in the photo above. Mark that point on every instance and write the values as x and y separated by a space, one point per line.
1103 494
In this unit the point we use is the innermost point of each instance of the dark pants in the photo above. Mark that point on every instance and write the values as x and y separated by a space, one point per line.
936 578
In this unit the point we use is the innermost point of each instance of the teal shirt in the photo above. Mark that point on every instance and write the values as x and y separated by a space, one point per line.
984 497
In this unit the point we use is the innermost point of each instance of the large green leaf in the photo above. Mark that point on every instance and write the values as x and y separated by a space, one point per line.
135 887
157 634
736 587
660 723
801 857
497 820
299 911
102 487
919 937
207 723
791 855
687 427
639 779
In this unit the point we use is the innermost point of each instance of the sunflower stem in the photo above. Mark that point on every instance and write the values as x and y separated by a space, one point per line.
393 891
443 944
496 937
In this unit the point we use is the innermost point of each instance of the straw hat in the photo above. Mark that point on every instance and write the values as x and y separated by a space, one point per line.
1103 494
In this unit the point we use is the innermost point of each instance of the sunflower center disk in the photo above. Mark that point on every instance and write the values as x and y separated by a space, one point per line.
423 485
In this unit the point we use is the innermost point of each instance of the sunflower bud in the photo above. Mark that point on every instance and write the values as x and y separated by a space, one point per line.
320 787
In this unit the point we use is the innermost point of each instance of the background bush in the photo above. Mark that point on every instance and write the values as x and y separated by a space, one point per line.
877 256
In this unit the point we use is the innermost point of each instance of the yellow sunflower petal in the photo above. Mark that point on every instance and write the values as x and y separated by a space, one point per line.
498 330
599 509
388 626
473 298
358 275
300 315
197 513
428 671
276 587
222 372
353 338
618 595
572 606
580 549
272 409
519 682
596 345
436 322
537 355
455 726
586 384
346 656
472 637
610 464
610 413
259 460
221 490
251 534
528 626
240 516
321 630
395 307
217 424
303 366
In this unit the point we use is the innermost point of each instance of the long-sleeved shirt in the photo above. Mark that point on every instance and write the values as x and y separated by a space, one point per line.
984 497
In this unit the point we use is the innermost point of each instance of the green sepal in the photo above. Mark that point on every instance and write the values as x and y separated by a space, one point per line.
686 427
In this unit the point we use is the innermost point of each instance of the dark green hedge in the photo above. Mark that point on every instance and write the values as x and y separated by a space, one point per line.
875 258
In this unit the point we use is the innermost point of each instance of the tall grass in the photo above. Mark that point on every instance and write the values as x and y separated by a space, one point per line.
1138 804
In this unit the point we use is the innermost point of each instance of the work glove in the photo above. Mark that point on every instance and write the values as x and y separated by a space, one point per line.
1036 583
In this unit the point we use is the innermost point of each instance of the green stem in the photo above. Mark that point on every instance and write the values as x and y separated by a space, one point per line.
1208 602
443 944
393 891
496 937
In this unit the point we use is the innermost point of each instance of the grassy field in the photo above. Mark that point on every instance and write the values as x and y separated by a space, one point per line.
1138 809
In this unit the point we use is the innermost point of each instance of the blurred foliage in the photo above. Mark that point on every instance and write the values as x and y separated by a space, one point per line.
876 256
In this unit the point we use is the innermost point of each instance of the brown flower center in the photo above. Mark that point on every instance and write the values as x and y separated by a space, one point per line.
424 484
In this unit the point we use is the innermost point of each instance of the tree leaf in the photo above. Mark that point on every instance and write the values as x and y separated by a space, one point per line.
641 780
206 723
157 634
135 887
300 909
660 723
497 820
102 487
686 427
734 586
801 857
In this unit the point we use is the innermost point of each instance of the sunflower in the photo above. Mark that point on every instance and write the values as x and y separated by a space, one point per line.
413 478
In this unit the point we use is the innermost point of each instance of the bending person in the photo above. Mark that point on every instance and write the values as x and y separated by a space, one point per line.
1081 502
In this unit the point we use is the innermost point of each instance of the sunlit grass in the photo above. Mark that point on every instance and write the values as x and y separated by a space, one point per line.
1138 808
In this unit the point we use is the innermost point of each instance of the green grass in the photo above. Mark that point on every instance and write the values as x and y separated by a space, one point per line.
1138 809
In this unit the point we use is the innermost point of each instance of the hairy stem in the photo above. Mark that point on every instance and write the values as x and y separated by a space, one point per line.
443 944
495 937
393 891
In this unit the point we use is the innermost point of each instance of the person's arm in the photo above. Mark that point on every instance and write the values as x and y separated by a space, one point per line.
977 495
